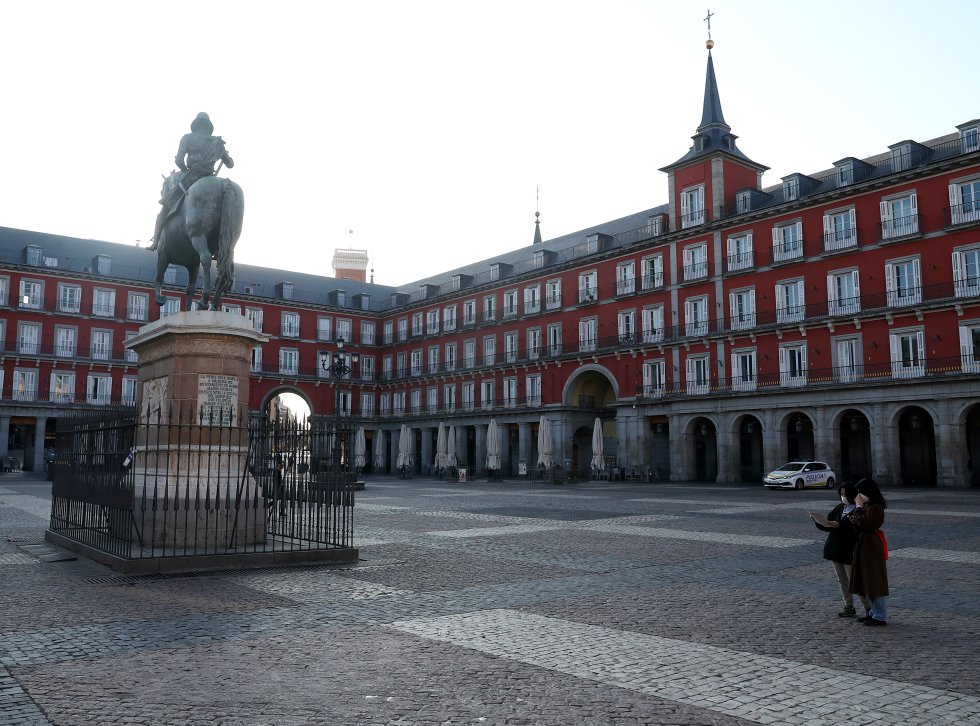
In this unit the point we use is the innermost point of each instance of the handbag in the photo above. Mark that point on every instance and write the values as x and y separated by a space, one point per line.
884 542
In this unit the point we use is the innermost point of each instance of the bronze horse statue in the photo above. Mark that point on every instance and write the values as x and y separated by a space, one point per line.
205 227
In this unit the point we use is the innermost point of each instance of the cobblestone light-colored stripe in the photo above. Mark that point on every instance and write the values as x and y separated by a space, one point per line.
719 537
32 505
741 684
917 553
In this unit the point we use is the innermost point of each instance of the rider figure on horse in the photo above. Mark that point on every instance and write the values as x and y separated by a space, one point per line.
197 154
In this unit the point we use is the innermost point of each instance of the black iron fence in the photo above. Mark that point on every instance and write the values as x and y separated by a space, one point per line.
188 483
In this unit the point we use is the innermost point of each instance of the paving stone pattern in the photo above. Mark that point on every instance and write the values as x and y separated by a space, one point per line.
504 603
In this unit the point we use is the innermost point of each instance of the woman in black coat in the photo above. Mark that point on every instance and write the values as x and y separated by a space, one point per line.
839 547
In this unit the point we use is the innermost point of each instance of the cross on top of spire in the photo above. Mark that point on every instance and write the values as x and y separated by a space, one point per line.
708 19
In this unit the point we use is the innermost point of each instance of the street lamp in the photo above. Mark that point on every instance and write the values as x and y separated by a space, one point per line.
337 367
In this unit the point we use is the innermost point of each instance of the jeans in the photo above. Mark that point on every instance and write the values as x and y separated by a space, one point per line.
879 608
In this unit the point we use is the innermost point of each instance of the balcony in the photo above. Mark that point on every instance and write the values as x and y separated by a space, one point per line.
962 214
693 219
840 240
532 307
697 271
652 281
900 228
740 261
588 294
783 251
626 286
553 301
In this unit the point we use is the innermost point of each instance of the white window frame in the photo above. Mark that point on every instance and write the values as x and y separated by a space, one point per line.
432 321
31 295
62 386
897 292
652 323
289 324
966 271
970 346
964 201
433 359
24 384
626 278
654 378
532 389
28 338
692 206
449 318
469 353
553 294
103 302
695 258
402 330
837 303
793 364
510 303
744 369
839 229
697 370
741 308
894 226
532 299
65 341
587 334
787 241
511 346
469 312
254 316
100 344
389 332
69 298
554 339
450 356
788 309
847 359
432 399
696 315
98 389
740 255
533 343
509 392
416 324
137 306
449 397
256 359
588 286
970 137
416 369
489 350
324 328
490 309
486 393
908 353
626 327
468 395
367 405
288 361
367 332
652 272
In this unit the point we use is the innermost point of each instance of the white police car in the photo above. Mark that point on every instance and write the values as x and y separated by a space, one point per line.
800 474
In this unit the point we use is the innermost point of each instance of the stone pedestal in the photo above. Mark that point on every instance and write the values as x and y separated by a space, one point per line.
191 467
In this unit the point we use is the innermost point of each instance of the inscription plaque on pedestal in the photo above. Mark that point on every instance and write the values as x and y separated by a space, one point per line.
217 399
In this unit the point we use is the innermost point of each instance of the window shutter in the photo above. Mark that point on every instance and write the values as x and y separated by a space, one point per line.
915 204
966 344
803 363
688 257
689 370
890 278
853 220
783 360
733 305
735 372
828 225
857 285
801 293
658 318
886 211
732 247
917 277
954 198
896 350
622 325
959 273
688 313
748 242
777 237
831 291
752 304
647 375
685 204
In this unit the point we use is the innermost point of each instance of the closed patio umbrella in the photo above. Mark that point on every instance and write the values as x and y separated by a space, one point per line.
451 448
379 450
545 444
493 446
360 449
440 460
404 447
598 462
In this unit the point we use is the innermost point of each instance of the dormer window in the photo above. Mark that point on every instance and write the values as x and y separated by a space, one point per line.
286 290
971 138
365 302
592 244
457 283
423 292
32 255
537 261
495 271
791 189
656 224
845 174
341 298
743 202
901 157
103 263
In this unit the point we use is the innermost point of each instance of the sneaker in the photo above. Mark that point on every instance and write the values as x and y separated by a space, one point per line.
864 618
847 612
874 621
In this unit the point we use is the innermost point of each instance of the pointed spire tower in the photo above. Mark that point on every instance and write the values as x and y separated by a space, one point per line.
537 218
704 181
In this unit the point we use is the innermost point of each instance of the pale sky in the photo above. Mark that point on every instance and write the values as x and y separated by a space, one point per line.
426 126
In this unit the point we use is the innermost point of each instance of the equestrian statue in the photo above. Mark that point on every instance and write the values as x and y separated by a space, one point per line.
201 218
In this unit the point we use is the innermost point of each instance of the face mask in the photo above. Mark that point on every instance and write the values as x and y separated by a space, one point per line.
844 500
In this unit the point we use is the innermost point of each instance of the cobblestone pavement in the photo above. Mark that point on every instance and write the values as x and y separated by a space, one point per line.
506 603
